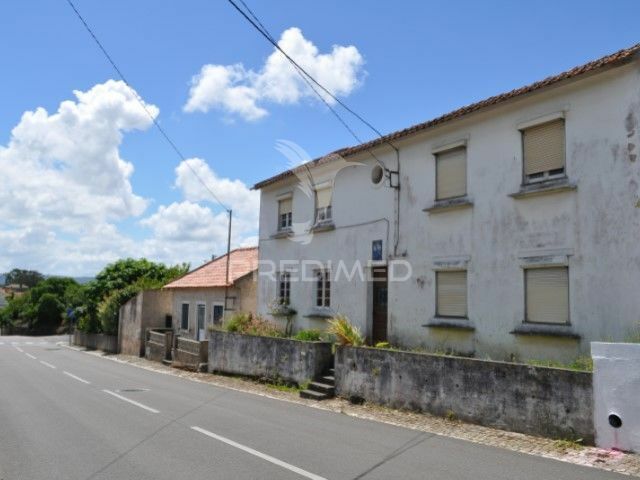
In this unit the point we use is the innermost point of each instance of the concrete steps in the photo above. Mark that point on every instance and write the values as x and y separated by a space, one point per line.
321 388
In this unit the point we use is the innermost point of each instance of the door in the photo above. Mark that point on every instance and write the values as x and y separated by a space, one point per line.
200 315
218 312
379 306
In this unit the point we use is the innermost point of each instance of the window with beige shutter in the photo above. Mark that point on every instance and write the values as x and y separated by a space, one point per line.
285 209
547 295
323 204
451 294
451 173
543 149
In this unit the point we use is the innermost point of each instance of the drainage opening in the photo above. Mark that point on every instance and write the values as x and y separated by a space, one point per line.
615 421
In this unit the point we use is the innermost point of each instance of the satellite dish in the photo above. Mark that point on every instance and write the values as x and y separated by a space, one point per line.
377 174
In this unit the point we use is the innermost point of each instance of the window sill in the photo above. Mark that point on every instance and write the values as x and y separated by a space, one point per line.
323 226
286 233
449 204
320 312
451 323
546 330
541 188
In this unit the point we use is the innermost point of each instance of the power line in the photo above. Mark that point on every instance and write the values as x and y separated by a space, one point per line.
257 24
144 106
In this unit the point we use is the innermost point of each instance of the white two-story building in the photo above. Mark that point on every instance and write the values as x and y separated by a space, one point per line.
509 228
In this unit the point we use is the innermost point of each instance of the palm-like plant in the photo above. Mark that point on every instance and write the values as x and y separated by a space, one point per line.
346 333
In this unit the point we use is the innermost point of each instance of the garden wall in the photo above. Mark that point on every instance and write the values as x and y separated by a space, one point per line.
268 357
192 354
96 341
535 400
158 344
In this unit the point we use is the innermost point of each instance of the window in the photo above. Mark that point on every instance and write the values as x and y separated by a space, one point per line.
285 213
184 320
451 294
284 288
451 173
323 288
547 295
218 313
323 205
543 148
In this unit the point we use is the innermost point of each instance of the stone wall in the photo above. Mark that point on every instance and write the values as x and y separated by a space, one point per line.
191 354
534 400
96 341
158 344
148 309
267 357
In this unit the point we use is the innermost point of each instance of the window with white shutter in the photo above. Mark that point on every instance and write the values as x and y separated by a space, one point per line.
451 294
543 148
547 295
323 204
451 173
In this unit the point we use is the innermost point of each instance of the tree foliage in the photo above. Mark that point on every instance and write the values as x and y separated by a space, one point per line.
23 278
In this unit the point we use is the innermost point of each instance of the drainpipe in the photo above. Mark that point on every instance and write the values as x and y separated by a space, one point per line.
226 282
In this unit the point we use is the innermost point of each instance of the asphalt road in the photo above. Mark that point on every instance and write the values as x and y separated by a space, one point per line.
68 415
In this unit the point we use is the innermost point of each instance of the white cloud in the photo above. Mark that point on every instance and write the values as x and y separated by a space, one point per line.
64 169
236 90
65 189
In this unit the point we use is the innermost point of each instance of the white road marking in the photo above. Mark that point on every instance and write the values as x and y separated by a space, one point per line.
132 402
19 349
30 356
76 378
1 343
258 454
46 364
29 343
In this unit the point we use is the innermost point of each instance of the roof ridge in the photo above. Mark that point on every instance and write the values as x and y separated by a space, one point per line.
617 58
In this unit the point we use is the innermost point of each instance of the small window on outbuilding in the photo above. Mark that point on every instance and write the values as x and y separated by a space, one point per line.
451 173
547 295
451 294
543 148
184 319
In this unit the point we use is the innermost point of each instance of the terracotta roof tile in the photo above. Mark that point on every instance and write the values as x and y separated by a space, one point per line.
213 274
616 59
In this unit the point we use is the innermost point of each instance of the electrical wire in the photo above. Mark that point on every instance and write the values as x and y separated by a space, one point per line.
309 79
144 107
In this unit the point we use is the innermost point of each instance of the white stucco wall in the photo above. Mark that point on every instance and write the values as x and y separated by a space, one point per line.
593 229
616 391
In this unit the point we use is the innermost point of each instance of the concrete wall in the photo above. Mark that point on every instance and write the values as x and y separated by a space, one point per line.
616 391
96 341
244 292
592 229
158 344
534 400
146 310
267 357
191 354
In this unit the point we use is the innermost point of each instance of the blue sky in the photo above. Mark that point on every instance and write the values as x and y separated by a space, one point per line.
417 60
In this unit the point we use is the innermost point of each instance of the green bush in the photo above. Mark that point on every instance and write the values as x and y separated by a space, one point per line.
346 333
250 324
308 335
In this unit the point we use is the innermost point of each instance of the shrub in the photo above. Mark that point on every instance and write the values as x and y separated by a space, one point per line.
383 345
252 325
346 333
308 335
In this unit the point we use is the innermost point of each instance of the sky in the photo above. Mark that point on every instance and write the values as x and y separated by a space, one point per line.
85 178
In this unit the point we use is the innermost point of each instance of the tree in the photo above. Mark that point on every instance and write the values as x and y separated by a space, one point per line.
23 278
49 311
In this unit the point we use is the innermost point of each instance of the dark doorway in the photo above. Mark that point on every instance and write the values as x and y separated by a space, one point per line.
379 306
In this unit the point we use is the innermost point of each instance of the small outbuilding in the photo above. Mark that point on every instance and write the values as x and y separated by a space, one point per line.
199 296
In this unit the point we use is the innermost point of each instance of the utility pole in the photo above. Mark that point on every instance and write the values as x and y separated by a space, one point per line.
226 283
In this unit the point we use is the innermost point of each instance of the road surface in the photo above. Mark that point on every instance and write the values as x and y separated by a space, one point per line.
68 415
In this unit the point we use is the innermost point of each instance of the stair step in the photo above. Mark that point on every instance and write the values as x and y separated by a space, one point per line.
322 388
310 394
328 379
332 371
166 362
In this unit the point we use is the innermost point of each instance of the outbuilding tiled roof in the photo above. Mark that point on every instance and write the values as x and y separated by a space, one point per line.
614 60
242 261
